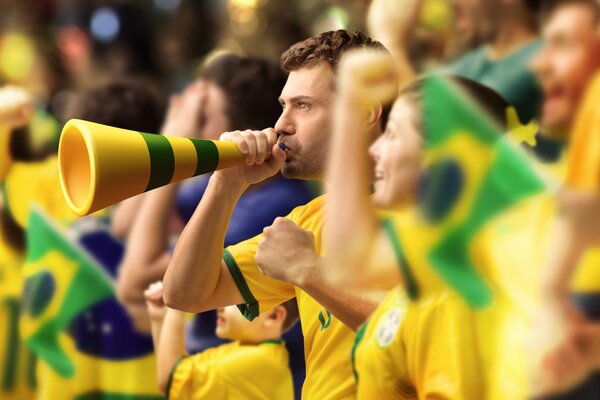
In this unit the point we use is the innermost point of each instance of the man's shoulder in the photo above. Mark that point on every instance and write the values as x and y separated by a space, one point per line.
310 211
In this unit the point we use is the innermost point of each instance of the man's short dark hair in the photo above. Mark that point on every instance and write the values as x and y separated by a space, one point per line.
327 47
251 85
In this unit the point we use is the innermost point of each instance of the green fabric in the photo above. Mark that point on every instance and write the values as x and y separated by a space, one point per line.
324 320
510 76
272 341
208 155
12 340
170 381
250 310
507 178
59 272
360 334
99 395
162 160
410 283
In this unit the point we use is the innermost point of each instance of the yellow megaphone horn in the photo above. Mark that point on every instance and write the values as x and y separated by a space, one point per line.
101 165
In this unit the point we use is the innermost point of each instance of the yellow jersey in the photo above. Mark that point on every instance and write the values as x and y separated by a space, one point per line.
510 253
17 363
586 279
327 341
234 371
30 183
438 346
378 358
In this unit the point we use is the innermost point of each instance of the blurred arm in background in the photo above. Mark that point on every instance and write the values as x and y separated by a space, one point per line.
147 252
392 24
16 110
168 334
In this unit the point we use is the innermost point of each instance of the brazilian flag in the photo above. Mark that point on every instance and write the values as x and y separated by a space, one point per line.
61 281
473 173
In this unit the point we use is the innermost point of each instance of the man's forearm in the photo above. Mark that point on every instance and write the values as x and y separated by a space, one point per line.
344 297
194 271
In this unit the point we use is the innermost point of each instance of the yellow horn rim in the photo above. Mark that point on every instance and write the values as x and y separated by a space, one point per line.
77 166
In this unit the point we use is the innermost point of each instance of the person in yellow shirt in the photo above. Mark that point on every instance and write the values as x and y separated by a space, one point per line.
424 340
253 366
102 342
285 261
17 363
565 67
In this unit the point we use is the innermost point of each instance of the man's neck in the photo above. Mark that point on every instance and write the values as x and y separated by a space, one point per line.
514 32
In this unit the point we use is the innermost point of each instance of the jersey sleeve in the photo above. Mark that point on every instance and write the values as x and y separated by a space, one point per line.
260 292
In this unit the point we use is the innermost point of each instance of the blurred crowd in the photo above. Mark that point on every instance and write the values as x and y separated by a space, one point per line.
391 199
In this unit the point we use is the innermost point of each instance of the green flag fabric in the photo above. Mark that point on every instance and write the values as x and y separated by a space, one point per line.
472 174
61 281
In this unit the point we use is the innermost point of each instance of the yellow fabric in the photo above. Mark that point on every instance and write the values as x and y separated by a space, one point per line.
447 348
38 183
35 182
234 371
380 357
451 350
327 341
517 246
586 278
17 367
584 152
436 351
131 378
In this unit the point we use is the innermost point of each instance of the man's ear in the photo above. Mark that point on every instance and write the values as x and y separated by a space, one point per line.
374 115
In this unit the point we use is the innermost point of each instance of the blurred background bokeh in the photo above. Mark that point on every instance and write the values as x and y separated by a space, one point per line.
55 48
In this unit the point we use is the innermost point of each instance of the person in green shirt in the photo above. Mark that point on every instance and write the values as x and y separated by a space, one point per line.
503 35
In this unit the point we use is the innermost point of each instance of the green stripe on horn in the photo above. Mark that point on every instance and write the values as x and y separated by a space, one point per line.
162 160
208 156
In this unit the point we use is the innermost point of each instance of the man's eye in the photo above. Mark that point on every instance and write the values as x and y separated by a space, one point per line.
303 106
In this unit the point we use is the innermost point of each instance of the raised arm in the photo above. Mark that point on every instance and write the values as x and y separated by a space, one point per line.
366 80
393 25
355 243
147 252
168 334
16 110
197 279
